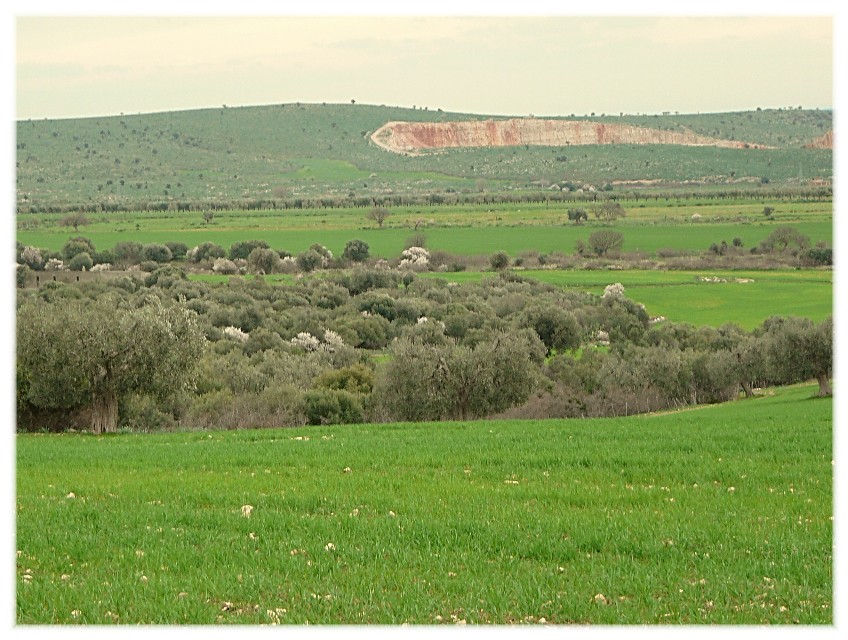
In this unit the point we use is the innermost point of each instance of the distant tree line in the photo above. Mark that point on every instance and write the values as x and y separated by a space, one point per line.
448 197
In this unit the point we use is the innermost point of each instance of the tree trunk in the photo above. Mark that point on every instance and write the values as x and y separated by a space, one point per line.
104 412
824 385
746 387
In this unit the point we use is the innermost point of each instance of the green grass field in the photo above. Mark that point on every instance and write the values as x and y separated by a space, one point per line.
745 298
465 230
721 514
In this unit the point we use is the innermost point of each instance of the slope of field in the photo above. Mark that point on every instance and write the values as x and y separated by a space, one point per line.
297 150
415 136
716 515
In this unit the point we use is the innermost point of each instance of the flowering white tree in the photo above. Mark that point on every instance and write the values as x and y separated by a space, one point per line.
306 341
234 333
31 257
416 258
615 291
332 340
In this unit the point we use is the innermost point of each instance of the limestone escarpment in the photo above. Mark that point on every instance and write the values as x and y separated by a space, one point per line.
410 137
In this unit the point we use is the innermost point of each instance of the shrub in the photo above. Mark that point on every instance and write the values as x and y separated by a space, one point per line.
178 249
356 378
225 267
309 260
77 245
356 251
332 406
244 248
499 260
156 252
81 262
263 260
205 251
148 266
128 252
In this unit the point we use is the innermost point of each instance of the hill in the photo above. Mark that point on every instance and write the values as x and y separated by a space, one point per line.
277 152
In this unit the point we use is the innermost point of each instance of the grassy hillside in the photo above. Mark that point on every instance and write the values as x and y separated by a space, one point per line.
294 150
717 515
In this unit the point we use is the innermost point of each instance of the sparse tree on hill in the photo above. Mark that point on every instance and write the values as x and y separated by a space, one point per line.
75 220
379 215
610 211
605 242
577 216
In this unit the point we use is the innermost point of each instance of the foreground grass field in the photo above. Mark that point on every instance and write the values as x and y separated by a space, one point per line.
717 515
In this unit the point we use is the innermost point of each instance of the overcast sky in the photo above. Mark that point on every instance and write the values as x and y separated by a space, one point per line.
548 64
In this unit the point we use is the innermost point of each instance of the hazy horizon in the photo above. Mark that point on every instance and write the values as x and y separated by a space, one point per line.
89 66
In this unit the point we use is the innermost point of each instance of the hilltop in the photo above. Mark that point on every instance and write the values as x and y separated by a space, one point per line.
270 153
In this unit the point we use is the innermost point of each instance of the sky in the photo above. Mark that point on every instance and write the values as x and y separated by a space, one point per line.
540 59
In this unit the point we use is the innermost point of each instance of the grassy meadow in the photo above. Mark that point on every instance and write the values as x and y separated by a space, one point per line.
710 297
464 230
721 514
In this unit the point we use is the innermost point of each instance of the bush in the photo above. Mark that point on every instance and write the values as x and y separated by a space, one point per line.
75 246
157 252
263 260
81 262
356 251
309 260
499 260
332 406
178 249
205 251
129 252
243 249
356 378
225 267
148 266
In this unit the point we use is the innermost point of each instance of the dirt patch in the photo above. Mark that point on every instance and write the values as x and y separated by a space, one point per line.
412 137
822 142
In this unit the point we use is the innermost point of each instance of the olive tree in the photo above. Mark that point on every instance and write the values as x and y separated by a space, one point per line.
426 381
797 349
85 353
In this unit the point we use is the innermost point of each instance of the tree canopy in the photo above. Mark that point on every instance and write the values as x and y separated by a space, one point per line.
92 353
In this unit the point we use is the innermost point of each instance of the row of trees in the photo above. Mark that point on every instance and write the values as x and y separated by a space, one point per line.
449 198
173 352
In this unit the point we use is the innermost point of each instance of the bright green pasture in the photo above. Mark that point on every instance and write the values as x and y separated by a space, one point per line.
466 230
745 298
721 514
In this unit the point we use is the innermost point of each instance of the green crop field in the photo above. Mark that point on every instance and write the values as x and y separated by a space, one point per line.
722 514
710 297
465 230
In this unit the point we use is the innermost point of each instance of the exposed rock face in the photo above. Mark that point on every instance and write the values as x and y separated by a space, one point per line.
822 142
409 137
